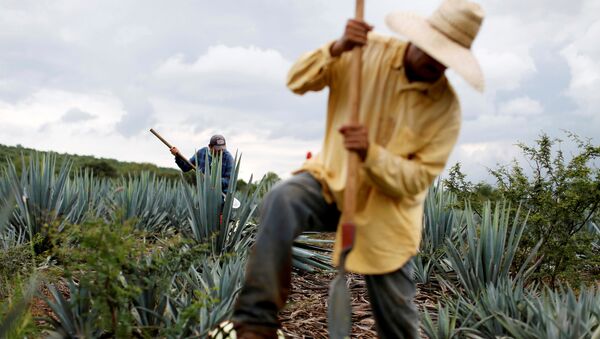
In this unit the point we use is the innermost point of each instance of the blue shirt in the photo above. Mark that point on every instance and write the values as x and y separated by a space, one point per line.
201 159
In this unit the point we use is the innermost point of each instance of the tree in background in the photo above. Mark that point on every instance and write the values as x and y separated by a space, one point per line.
562 196
269 179
101 169
476 195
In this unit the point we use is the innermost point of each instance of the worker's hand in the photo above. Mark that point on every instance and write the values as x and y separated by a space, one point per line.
356 139
174 150
355 34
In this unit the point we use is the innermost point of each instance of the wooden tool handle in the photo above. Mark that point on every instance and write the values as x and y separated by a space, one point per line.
170 146
161 138
355 90
348 232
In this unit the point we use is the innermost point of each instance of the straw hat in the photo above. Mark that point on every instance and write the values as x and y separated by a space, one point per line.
446 35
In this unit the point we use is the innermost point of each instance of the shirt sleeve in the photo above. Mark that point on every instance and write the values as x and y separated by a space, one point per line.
312 72
183 165
201 158
226 173
398 176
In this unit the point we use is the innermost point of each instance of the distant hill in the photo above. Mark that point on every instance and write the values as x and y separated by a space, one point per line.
102 167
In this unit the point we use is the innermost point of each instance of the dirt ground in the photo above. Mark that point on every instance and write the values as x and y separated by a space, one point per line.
305 315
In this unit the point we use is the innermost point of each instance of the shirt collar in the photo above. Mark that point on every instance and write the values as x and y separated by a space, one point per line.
433 90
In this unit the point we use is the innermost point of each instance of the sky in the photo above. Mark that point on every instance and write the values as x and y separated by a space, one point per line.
92 77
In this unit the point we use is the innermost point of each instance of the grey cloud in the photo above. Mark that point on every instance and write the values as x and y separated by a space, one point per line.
84 47
550 82
139 114
76 115
45 127
534 9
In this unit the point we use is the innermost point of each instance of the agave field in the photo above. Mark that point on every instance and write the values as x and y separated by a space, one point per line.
140 256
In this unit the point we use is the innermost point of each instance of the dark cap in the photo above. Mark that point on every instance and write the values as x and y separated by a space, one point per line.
217 142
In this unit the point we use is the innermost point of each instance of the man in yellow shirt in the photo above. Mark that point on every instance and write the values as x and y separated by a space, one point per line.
409 123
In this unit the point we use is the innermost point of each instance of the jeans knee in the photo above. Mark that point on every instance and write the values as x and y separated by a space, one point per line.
282 210
282 195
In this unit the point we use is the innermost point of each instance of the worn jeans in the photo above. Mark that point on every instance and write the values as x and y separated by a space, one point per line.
292 207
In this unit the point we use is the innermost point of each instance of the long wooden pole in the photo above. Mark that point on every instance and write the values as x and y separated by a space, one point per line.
339 312
349 207
164 141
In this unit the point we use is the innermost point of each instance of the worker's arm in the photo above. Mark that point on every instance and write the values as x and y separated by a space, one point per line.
312 72
399 176
226 172
183 165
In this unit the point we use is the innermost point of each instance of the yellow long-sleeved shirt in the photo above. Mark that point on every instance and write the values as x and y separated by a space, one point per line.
412 126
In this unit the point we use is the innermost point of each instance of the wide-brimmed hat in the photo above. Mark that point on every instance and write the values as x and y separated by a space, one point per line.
446 35
217 142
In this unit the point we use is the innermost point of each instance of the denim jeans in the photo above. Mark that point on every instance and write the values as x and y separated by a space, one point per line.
290 208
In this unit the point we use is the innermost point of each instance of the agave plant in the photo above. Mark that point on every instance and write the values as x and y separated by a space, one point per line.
594 229
209 289
40 194
424 268
444 326
486 254
507 297
212 219
177 214
441 223
75 317
89 194
5 190
149 308
507 309
142 199
11 236
559 314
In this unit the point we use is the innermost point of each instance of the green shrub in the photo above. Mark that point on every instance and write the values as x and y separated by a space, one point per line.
562 195
97 253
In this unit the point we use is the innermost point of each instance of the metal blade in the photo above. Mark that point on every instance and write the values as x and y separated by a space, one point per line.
339 309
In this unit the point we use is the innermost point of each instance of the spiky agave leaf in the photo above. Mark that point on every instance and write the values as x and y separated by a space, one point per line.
441 223
506 308
309 254
88 193
447 322
563 314
40 193
142 199
208 289
10 236
486 254
150 306
76 316
506 297
443 326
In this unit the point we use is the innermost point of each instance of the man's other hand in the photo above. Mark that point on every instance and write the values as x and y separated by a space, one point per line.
355 34
356 139
174 150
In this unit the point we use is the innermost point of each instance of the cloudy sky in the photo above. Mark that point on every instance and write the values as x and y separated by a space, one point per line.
91 77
